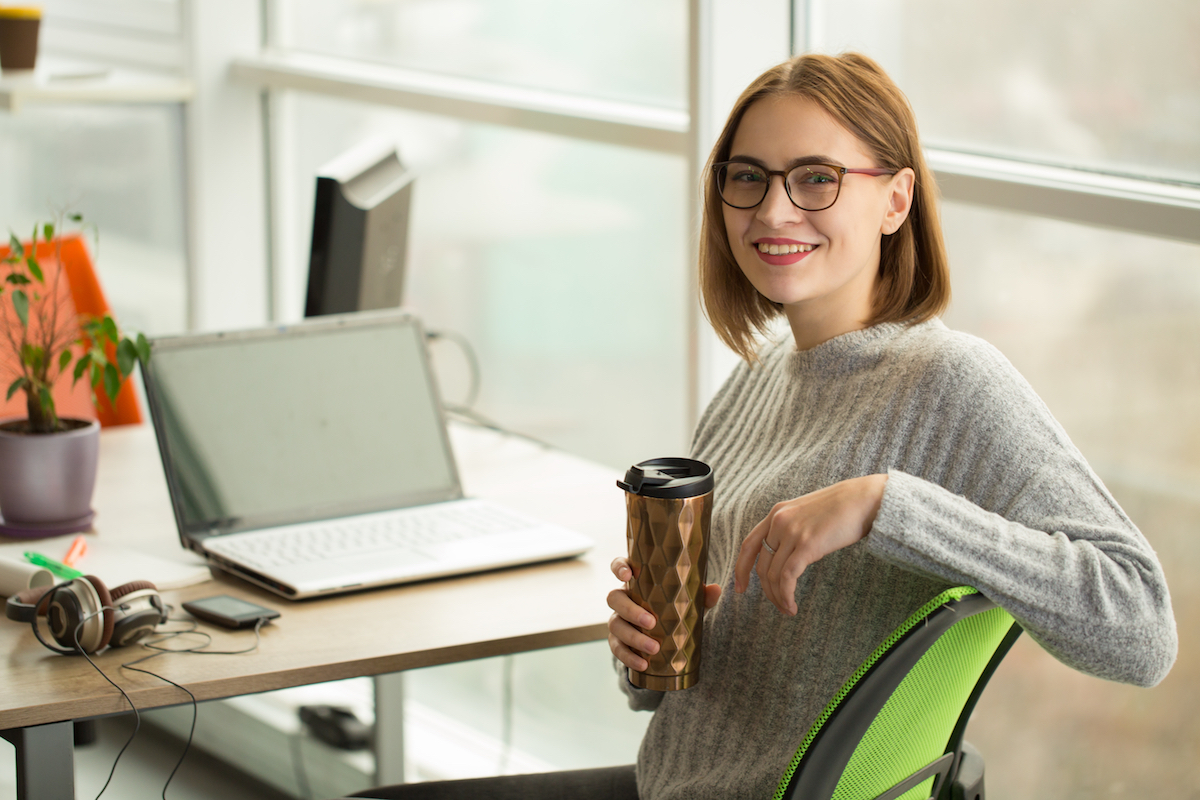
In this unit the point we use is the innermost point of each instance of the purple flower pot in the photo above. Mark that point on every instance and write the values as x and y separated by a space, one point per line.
46 479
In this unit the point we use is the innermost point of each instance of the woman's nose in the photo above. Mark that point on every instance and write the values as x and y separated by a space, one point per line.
777 208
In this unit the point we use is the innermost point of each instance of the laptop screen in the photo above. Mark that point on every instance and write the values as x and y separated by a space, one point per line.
321 419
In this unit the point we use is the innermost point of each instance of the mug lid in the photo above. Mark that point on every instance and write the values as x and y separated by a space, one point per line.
668 478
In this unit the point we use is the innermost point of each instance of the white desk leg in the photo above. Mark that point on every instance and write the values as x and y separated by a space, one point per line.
389 729
45 760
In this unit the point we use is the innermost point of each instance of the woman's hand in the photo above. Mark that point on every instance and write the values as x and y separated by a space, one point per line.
625 639
802 531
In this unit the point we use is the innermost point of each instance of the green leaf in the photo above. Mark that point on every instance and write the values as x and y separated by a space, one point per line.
46 400
81 366
97 374
48 231
34 269
143 348
21 304
64 358
76 218
127 356
17 249
19 383
33 356
17 279
112 382
110 329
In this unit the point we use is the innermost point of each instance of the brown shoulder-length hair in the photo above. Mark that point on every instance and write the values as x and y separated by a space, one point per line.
914 280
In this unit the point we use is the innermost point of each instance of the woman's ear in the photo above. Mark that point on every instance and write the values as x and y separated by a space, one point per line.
900 195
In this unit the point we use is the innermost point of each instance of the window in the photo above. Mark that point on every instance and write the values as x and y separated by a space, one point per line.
622 50
557 259
1104 325
1066 144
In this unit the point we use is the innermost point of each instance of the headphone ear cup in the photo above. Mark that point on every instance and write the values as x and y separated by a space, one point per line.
107 613
138 608
75 617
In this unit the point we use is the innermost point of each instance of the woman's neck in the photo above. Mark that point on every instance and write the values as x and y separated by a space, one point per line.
812 326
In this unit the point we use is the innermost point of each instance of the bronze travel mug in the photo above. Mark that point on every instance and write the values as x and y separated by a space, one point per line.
669 505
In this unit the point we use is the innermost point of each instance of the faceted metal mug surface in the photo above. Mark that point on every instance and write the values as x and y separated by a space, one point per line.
668 553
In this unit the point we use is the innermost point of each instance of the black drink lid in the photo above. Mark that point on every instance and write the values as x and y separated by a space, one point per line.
668 477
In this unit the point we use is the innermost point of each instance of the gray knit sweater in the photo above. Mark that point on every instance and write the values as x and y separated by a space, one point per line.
984 489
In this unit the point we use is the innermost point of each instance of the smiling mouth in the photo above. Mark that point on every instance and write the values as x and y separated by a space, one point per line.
783 249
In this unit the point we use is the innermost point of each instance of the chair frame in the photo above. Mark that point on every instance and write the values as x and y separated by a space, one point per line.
834 737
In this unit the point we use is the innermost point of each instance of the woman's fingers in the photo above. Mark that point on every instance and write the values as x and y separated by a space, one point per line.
798 533
626 630
621 569
628 643
750 550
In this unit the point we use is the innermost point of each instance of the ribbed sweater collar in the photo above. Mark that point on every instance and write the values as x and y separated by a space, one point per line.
846 354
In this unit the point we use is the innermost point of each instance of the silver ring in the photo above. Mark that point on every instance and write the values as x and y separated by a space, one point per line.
770 549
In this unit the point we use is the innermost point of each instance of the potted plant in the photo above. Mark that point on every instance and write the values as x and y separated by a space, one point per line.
47 462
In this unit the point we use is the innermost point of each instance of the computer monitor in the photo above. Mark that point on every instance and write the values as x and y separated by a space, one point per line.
360 232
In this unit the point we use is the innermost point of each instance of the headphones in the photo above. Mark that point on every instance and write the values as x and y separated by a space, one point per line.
113 618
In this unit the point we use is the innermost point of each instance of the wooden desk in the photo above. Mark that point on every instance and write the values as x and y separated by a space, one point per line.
369 633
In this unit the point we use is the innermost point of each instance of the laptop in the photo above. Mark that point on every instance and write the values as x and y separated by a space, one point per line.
313 459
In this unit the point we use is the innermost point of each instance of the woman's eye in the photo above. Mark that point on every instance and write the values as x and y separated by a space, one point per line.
746 176
817 179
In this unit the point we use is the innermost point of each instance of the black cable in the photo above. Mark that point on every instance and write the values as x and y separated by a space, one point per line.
167 636
195 713
129 665
137 718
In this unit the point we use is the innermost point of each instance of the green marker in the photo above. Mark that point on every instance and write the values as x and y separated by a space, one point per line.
57 567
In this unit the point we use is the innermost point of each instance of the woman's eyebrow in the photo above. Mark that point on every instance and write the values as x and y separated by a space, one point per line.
795 162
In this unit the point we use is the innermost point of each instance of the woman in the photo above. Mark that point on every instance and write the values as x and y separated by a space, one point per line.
870 460
864 464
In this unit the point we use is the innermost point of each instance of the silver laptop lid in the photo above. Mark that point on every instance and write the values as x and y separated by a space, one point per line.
326 418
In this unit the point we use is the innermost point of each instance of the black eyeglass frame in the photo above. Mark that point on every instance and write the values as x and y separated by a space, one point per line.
770 173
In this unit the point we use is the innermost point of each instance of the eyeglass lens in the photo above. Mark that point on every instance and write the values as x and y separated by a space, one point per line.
812 187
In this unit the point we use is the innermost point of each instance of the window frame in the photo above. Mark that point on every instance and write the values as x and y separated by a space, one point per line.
1131 203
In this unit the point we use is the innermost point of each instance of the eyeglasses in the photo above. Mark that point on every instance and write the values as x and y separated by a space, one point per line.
810 187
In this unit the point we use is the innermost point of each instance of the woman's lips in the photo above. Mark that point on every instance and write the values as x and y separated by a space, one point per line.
782 253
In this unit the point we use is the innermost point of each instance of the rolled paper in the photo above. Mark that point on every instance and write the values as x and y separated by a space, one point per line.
16 576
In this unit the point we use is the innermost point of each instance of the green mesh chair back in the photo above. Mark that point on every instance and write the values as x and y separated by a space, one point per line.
894 730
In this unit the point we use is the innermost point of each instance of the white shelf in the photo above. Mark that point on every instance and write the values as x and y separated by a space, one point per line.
59 81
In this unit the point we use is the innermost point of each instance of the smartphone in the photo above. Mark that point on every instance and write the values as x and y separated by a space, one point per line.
228 612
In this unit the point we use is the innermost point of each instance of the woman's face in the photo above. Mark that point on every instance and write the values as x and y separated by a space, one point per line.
826 262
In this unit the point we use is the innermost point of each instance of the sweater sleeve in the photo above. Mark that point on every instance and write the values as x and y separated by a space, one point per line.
639 699
1028 524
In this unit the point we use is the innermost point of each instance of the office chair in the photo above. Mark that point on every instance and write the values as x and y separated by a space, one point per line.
86 297
895 729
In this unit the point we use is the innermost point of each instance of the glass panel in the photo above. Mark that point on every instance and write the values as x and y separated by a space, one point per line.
121 167
546 710
1043 79
621 50
560 261
1104 325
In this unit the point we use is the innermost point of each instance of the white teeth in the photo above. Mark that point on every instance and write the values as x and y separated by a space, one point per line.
783 249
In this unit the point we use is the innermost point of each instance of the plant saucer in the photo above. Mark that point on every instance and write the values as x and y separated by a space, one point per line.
44 530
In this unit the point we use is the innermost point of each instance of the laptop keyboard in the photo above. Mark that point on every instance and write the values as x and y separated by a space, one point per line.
410 529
